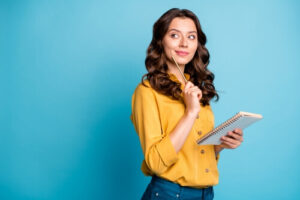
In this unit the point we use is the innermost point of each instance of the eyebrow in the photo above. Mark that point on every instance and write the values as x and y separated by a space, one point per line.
173 29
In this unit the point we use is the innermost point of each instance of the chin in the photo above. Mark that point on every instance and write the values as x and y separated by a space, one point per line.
183 61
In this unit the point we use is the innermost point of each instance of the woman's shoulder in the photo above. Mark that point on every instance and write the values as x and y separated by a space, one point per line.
144 87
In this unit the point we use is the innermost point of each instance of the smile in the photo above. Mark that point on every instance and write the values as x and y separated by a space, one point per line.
182 53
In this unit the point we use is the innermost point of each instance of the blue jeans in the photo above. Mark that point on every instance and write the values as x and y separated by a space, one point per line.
163 189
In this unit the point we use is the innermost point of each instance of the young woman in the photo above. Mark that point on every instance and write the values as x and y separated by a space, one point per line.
170 115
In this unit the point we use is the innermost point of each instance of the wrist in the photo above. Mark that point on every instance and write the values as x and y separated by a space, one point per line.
218 149
191 113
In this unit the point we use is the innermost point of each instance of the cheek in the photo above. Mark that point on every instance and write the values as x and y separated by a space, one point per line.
194 47
170 44
193 50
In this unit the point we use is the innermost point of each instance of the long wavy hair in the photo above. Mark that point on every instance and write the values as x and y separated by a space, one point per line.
157 68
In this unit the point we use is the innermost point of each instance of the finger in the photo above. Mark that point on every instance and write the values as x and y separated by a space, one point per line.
195 90
238 131
195 87
235 136
229 145
230 140
197 93
187 86
226 144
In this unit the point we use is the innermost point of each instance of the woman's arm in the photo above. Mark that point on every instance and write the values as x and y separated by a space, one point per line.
182 129
192 95
158 150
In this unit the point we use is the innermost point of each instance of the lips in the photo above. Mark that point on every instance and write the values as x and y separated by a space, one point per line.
182 53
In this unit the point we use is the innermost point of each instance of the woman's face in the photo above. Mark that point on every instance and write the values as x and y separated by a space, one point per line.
181 40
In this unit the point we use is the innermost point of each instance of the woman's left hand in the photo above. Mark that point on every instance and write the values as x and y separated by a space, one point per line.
233 139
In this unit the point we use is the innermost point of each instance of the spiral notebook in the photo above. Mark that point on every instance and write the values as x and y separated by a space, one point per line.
240 120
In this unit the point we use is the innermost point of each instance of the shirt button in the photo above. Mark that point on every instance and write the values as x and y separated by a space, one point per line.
202 151
156 194
206 170
197 117
177 195
199 132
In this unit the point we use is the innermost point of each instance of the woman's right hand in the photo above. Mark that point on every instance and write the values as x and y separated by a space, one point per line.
192 95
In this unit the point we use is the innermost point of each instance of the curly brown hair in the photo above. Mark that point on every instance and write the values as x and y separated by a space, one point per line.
157 68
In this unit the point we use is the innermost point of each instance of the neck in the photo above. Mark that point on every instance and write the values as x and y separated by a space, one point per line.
172 68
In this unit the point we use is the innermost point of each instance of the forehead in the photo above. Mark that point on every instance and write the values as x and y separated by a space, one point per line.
183 24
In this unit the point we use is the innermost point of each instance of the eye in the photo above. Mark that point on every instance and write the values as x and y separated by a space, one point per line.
174 35
192 37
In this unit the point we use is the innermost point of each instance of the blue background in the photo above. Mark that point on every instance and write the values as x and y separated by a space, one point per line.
67 73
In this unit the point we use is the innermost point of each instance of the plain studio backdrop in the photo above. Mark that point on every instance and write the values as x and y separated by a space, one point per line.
68 70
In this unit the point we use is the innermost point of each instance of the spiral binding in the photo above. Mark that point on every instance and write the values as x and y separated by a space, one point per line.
221 127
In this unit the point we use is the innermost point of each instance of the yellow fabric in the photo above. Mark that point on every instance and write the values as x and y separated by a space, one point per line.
154 116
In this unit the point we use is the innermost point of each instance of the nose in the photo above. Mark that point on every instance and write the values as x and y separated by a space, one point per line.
183 42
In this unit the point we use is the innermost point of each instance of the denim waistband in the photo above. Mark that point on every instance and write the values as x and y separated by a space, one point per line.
175 185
